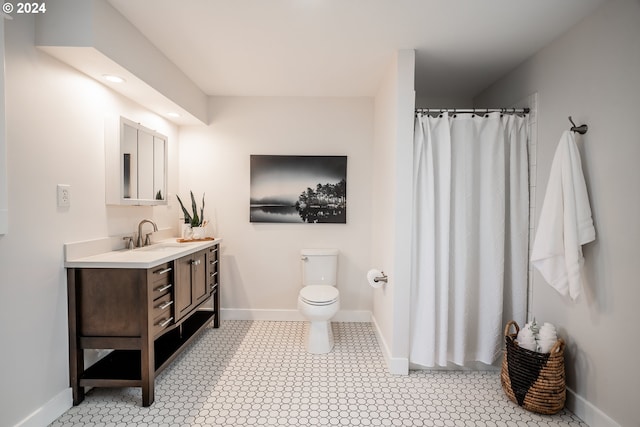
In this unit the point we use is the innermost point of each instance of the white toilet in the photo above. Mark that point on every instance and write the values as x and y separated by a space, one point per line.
319 299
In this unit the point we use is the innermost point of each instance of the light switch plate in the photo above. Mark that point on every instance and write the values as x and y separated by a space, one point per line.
64 195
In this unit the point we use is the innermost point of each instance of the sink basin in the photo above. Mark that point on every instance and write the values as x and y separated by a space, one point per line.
161 247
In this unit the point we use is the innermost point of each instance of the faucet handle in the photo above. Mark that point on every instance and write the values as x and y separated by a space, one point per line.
147 240
129 242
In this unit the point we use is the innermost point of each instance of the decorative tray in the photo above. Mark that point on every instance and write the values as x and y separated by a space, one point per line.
204 239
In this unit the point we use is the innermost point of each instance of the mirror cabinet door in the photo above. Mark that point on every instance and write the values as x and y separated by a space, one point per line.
129 158
145 165
159 167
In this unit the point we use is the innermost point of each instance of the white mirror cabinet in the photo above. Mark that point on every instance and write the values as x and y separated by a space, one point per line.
136 164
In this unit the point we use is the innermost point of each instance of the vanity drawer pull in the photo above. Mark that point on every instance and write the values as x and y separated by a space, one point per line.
164 305
163 288
161 272
195 262
164 322
213 262
213 274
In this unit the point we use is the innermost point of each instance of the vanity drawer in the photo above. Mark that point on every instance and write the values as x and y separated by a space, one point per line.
162 323
162 304
161 272
213 261
161 279
161 289
162 313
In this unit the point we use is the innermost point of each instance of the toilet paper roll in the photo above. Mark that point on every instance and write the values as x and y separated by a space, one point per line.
372 275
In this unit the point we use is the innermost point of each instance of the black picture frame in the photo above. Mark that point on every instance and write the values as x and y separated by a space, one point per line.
298 189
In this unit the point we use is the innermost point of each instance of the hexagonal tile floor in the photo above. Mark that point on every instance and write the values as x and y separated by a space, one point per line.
257 373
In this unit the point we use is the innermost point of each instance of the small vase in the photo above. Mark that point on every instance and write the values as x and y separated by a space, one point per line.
198 232
187 232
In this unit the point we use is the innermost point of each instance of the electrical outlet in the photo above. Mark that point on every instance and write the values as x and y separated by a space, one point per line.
64 195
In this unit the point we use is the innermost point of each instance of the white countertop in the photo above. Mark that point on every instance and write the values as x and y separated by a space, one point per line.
145 257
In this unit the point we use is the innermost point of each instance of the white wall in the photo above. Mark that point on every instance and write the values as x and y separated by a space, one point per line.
261 262
443 102
391 233
54 136
593 74
383 241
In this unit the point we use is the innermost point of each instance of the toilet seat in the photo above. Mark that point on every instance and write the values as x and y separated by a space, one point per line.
319 294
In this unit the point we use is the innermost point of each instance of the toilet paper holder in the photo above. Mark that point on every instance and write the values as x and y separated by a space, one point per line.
382 278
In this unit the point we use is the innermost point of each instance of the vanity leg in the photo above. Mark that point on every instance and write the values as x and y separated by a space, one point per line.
148 375
147 354
216 307
76 367
148 390
76 354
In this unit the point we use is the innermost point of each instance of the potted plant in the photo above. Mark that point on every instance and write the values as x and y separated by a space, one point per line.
194 220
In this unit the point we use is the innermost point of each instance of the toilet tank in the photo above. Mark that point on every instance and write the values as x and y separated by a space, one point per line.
319 266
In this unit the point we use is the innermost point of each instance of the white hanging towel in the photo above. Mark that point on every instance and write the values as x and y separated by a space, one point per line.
565 221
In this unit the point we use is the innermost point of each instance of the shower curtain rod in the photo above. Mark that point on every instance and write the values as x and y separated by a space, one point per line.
473 110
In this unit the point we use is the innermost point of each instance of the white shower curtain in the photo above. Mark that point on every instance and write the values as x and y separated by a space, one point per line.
470 236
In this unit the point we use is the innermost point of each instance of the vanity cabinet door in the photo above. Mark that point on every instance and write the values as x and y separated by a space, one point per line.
191 282
199 282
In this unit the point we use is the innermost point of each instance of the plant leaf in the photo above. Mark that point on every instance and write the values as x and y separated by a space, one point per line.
195 221
202 209
187 216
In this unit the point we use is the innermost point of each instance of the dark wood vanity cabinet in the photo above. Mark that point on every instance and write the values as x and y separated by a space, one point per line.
146 316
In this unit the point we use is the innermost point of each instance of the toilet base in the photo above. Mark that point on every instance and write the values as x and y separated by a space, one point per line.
319 337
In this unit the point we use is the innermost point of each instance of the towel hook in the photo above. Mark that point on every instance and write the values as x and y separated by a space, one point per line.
582 129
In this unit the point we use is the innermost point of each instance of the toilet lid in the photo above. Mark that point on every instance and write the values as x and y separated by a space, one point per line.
319 294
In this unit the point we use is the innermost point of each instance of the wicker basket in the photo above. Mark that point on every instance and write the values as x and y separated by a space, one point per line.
533 380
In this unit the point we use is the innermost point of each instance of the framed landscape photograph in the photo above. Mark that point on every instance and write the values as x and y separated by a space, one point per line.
298 189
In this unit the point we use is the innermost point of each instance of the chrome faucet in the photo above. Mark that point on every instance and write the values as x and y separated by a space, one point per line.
146 241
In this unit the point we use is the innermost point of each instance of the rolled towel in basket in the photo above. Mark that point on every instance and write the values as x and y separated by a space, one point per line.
547 337
547 331
527 339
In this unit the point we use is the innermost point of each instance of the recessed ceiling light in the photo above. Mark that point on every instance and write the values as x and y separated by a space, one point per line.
112 78
172 114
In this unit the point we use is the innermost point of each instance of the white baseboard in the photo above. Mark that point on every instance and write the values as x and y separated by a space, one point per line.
51 410
289 315
395 365
588 412
260 314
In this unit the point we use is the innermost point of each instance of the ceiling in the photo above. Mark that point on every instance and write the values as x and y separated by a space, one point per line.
344 47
